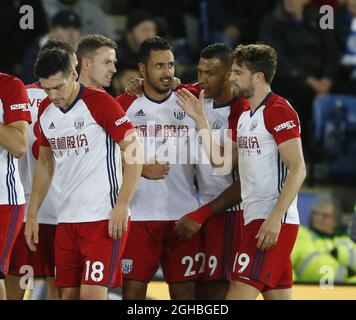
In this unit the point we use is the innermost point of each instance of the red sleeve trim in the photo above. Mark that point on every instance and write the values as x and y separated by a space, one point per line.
108 113
125 101
281 120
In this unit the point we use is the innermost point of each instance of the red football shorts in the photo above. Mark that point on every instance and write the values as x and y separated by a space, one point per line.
85 254
265 269
221 236
11 218
42 261
153 242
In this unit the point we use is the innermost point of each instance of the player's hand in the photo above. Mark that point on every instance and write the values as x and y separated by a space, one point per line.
134 87
190 104
185 228
31 233
118 222
155 170
268 234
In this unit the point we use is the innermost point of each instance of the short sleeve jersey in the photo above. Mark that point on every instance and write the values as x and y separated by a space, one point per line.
165 131
13 107
262 172
83 139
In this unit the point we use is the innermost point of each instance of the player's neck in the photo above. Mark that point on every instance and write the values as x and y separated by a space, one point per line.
73 95
260 93
154 95
225 96
85 80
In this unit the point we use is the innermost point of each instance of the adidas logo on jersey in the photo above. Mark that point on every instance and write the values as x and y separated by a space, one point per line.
139 113
52 126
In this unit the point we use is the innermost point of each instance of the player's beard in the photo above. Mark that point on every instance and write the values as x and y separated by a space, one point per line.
247 92
155 84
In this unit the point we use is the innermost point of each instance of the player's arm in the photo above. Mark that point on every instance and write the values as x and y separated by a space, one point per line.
292 156
14 137
133 159
42 178
191 223
223 160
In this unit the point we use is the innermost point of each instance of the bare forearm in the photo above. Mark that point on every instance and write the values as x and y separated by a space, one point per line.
131 178
13 140
42 179
289 191
230 197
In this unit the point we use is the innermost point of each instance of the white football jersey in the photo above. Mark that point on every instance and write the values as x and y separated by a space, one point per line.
47 214
221 119
13 108
83 139
163 126
262 173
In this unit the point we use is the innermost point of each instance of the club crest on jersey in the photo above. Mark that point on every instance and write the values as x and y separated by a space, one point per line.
126 266
217 125
78 123
179 114
253 125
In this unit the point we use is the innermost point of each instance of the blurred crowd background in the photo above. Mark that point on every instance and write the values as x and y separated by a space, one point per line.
316 73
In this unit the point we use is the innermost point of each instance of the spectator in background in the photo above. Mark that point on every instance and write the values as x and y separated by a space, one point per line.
345 34
324 243
140 25
308 55
65 26
233 21
14 39
93 18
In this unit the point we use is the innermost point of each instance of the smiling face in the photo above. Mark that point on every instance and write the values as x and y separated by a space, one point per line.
101 66
159 72
213 76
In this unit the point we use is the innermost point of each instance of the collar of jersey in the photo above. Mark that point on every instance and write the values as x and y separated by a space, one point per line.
227 104
262 103
158 101
79 95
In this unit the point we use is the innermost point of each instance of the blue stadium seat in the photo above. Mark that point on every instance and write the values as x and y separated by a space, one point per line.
335 129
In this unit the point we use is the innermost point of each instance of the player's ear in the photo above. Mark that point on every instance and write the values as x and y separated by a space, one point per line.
74 73
85 62
142 69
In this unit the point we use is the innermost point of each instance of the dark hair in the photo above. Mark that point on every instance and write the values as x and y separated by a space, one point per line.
66 19
220 51
51 61
257 58
152 44
57 44
137 16
90 43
